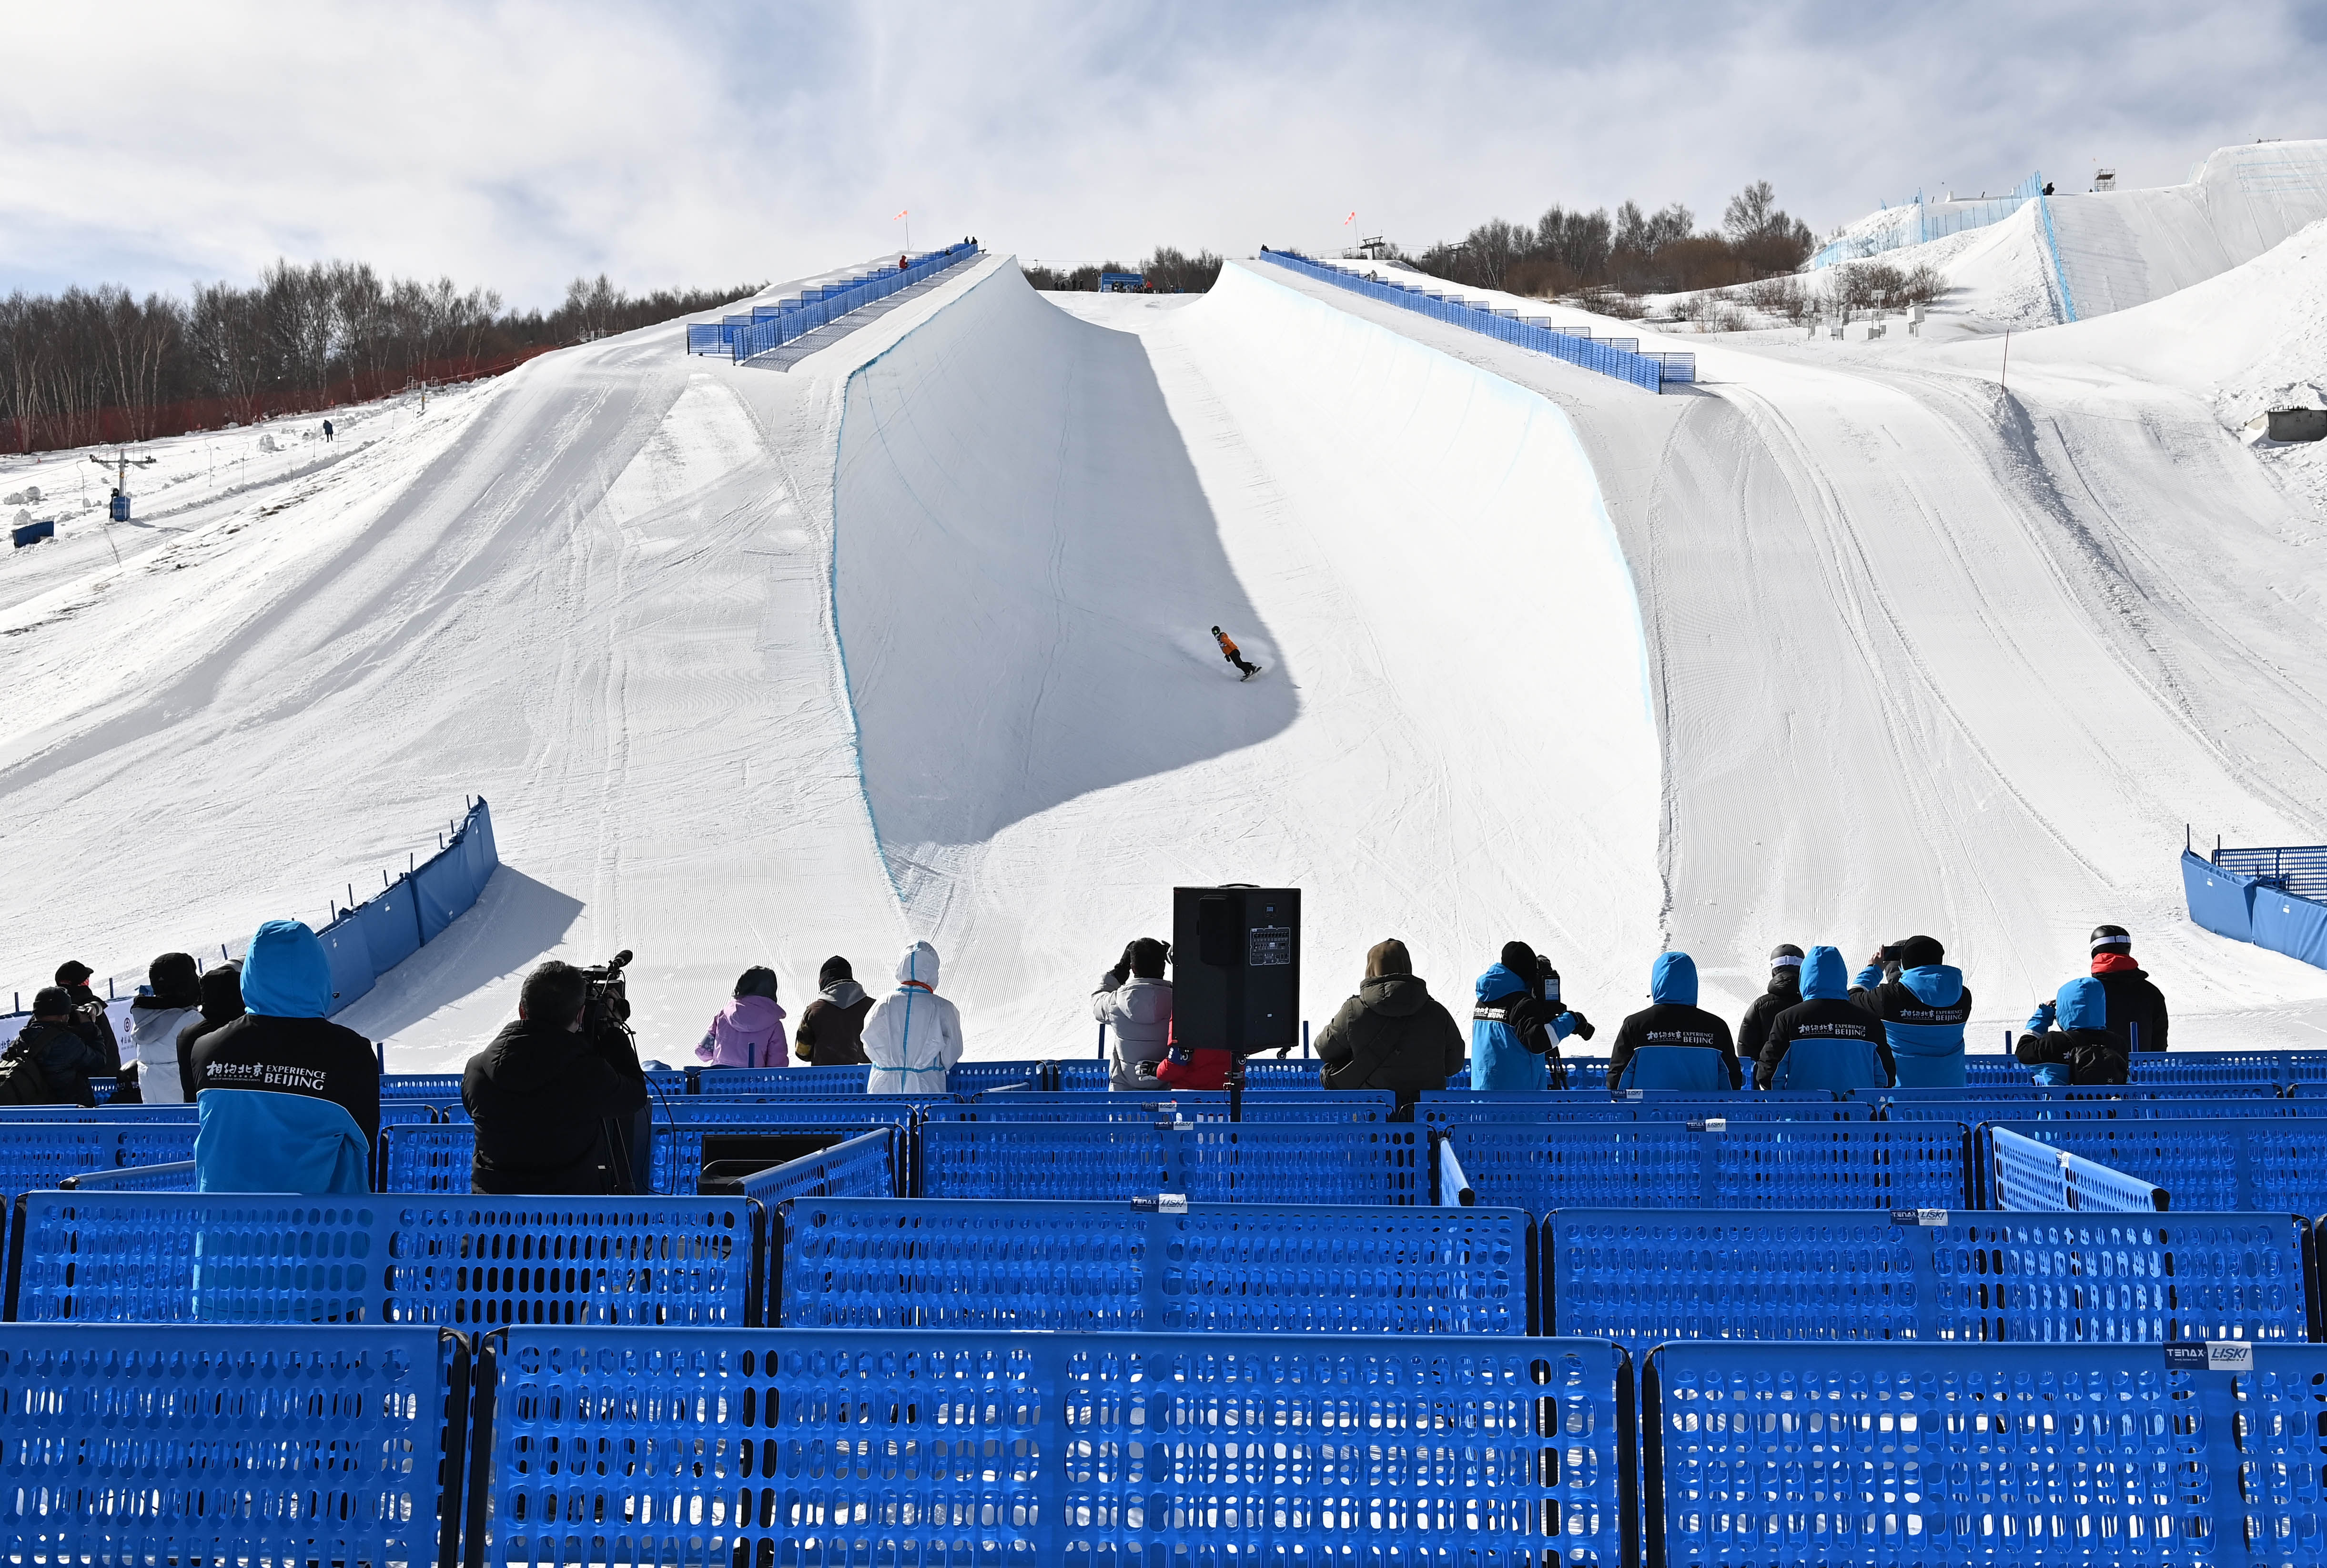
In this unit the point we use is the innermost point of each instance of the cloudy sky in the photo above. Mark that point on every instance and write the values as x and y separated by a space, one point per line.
518 144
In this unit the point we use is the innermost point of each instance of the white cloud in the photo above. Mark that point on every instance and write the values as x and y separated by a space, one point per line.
516 144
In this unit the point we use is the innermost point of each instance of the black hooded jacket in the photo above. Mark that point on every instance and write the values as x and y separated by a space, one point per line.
1785 990
831 1032
541 1097
1393 1034
2136 1008
65 1057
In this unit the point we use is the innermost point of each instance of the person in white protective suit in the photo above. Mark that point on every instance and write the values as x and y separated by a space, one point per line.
912 1035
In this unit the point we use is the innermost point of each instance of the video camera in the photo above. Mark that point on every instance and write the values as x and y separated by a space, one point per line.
606 1007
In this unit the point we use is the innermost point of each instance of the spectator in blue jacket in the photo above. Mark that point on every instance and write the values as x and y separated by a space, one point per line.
1515 1027
1673 1043
289 1101
2083 1050
1923 1004
1826 1041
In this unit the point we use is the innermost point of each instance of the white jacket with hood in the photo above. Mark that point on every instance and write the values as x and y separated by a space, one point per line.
912 1035
1139 1011
152 1043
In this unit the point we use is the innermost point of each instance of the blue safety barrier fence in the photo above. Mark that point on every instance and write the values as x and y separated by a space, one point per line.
2274 898
1205 1161
367 941
287 1444
1993 1454
1441 1110
1920 221
1741 1165
1152 1105
813 1446
1181 1268
769 327
2250 1165
2182 1108
1652 372
2026 1175
169 1176
457 1261
1928 1274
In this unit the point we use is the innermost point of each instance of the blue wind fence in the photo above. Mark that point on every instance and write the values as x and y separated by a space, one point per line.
1188 1268
367 941
2027 1176
1741 1165
1206 1161
1983 1454
1651 372
288 1444
2250 1165
1920 221
913 1447
769 328
457 1261
2275 898
1931 1274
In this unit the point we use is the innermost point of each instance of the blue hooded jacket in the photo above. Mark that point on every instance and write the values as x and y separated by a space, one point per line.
1931 1055
2081 1003
287 974
1698 1068
1828 1061
1500 1063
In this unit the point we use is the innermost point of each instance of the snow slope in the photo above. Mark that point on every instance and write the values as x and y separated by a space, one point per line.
1040 519
1925 661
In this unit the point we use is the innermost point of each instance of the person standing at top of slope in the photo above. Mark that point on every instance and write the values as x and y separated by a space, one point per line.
2136 1008
1923 1004
1228 651
914 1035
1785 990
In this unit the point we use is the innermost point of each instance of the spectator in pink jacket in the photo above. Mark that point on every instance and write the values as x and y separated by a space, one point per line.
749 1031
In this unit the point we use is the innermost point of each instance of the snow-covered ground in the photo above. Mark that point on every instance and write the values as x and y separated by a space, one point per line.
759 666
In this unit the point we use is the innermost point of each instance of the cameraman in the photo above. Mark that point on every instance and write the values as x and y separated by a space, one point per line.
90 1019
557 1096
1518 1023
1135 1000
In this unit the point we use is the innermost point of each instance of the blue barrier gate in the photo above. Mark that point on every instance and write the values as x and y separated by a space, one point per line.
1231 1268
1930 1275
1440 1111
809 1446
1998 1454
287 1444
1207 1105
2275 898
454 1261
1207 1161
1744 1165
2024 1175
2250 1165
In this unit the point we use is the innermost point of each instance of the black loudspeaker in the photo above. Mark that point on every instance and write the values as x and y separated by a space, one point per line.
1236 967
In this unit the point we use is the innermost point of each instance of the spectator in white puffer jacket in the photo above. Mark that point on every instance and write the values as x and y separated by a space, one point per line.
172 995
912 1035
1135 1000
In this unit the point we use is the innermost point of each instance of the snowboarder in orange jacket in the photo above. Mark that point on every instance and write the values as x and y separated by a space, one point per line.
1228 651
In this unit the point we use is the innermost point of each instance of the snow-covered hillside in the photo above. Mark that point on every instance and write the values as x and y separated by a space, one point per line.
762 664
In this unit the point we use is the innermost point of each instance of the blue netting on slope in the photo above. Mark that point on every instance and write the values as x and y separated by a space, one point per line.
1747 1166
2067 1278
281 1444
1210 1162
1272 1268
1992 1454
812 1446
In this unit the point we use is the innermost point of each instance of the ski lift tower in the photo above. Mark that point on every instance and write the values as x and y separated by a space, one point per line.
117 510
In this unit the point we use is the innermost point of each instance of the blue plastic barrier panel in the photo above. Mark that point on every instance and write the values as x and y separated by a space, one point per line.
281 1445
2194 1455
2296 927
1184 1267
2222 902
349 949
1041 1449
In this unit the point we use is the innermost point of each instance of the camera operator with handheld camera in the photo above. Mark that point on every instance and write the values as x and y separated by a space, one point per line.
1923 1004
558 1098
1518 1023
